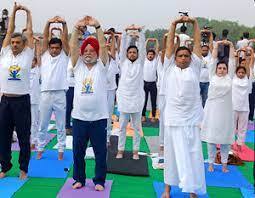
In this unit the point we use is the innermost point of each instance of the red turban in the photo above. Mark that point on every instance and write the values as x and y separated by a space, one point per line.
93 42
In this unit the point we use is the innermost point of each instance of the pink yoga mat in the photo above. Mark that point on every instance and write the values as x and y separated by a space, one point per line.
15 145
251 126
87 191
246 154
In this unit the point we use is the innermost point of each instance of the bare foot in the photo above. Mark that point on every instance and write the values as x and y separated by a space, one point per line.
210 168
99 187
143 119
2 175
135 155
192 195
39 155
165 195
119 155
32 146
22 175
69 132
161 151
77 185
153 120
60 155
225 168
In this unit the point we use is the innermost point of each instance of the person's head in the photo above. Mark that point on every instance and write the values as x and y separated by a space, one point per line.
183 29
132 53
34 62
242 62
55 46
221 69
240 72
90 50
214 35
18 43
225 33
5 13
246 35
151 54
111 29
205 50
183 57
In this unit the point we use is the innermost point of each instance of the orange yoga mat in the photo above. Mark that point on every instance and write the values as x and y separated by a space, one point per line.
130 130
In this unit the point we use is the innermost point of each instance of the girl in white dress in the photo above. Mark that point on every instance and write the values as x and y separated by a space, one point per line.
218 122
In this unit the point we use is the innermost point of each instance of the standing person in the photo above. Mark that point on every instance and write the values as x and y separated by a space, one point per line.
150 78
54 84
244 42
240 97
130 92
204 75
183 158
3 25
15 110
183 36
90 110
218 122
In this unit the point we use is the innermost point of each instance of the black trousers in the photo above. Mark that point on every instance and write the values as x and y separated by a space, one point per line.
150 87
252 102
69 106
15 111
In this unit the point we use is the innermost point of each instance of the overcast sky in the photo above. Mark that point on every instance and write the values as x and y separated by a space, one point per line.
119 13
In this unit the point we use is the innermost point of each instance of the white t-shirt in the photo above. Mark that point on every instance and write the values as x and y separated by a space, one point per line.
54 72
15 71
35 85
111 75
242 43
183 39
70 74
90 92
204 75
150 70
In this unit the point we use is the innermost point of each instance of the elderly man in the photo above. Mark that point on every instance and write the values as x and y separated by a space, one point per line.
16 60
90 109
54 63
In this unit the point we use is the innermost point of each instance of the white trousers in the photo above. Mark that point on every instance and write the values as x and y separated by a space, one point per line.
135 123
34 123
52 101
212 150
241 122
161 102
183 159
110 100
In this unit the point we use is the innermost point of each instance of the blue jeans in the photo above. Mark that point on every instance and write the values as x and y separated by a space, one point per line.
95 131
204 91
69 106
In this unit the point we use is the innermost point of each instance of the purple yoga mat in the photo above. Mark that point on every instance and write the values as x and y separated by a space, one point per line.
251 126
87 191
50 136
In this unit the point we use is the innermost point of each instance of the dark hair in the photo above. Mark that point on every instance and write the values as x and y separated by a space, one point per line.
225 33
132 47
214 35
17 34
204 45
240 67
182 48
183 29
246 35
55 41
111 29
151 50
221 62
241 60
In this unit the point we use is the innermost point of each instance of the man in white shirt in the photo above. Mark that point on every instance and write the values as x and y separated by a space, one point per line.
15 110
150 78
90 110
244 42
54 63
183 36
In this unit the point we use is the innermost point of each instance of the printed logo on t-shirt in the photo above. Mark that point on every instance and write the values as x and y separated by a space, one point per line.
204 64
87 86
14 72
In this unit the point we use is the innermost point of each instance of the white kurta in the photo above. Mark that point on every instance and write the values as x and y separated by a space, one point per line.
218 122
184 164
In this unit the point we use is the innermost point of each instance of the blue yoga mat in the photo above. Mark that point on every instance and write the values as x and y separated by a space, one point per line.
10 185
250 136
176 192
248 192
232 179
49 166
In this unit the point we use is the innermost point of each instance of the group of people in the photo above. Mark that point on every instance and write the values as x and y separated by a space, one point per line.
55 74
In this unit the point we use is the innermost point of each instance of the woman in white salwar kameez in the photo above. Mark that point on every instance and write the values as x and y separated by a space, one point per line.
218 122
184 164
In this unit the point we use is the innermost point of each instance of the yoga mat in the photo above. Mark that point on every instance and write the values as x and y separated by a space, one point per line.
153 143
250 136
10 185
175 192
49 166
49 137
251 126
231 179
245 154
87 191
248 192
129 130
51 127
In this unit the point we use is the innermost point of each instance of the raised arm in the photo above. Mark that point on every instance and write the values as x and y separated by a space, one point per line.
170 38
29 28
156 46
113 49
64 35
37 50
141 46
125 40
196 37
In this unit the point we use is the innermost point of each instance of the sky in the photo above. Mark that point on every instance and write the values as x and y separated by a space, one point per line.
120 13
